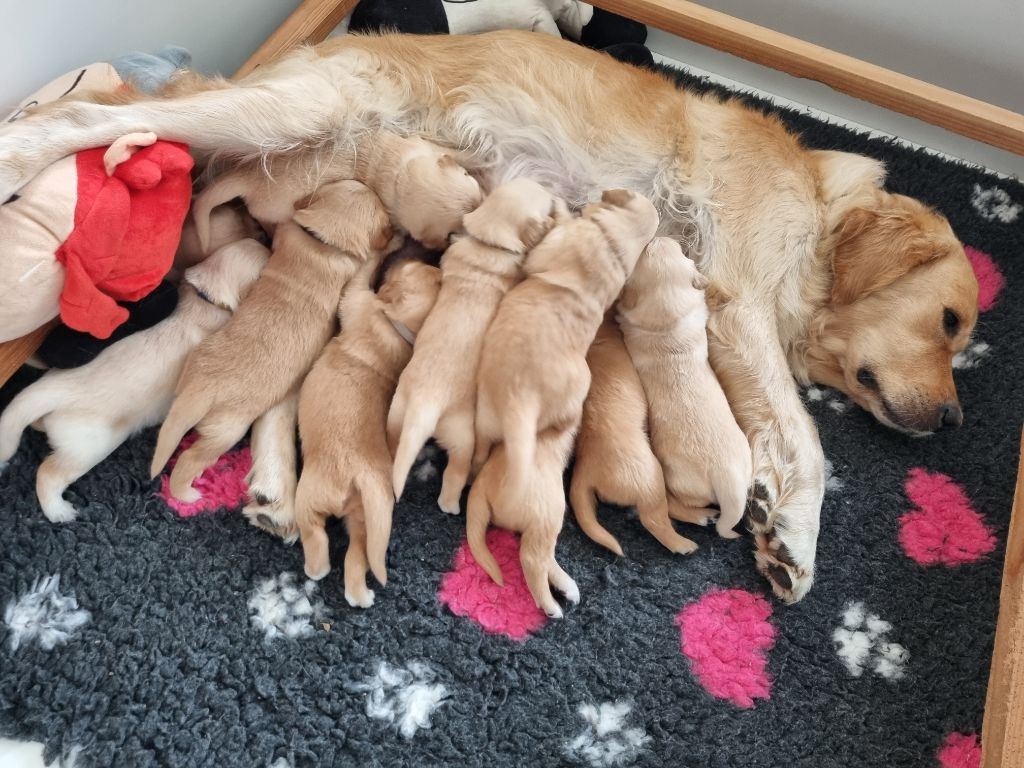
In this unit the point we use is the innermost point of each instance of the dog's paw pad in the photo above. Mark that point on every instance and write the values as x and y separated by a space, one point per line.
760 505
364 600
789 581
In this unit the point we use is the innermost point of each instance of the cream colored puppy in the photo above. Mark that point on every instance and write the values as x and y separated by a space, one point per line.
343 410
537 515
533 372
437 391
422 187
704 453
227 224
89 411
252 363
614 461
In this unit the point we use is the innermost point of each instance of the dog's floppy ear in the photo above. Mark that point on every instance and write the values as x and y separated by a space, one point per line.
620 198
628 298
876 246
844 173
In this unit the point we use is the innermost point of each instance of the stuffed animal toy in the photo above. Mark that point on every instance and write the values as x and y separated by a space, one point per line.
98 227
594 27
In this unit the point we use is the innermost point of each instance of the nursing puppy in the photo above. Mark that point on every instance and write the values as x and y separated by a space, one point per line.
227 224
89 411
343 410
614 461
537 515
254 361
437 391
705 455
422 187
533 371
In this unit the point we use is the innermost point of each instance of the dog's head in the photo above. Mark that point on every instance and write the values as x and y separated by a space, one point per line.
433 193
227 274
627 220
349 216
516 216
664 287
904 300
408 292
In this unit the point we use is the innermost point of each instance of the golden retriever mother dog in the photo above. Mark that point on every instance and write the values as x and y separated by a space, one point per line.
817 273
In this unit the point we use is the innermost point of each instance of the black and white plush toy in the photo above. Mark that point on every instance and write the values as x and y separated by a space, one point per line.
594 27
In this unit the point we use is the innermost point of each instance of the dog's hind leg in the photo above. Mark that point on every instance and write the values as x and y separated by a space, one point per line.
311 498
563 582
214 441
357 594
478 517
78 448
456 433
654 516
536 553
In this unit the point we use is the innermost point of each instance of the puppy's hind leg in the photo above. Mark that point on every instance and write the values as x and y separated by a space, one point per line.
357 594
654 516
77 450
563 582
214 441
311 497
478 517
456 433
732 500
536 553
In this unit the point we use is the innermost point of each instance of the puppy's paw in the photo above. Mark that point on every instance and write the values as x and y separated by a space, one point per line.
317 573
60 511
358 599
187 495
760 507
448 506
790 576
554 613
571 591
684 547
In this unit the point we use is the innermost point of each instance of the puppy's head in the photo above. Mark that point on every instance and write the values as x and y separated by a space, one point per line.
516 216
409 291
904 300
349 216
228 273
433 193
665 286
628 221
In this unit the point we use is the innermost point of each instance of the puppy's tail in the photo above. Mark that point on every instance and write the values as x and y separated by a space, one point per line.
520 431
378 508
418 425
584 507
32 403
731 490
185 413
478 516
218 192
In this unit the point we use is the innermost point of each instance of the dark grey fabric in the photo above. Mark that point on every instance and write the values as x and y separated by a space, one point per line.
171 671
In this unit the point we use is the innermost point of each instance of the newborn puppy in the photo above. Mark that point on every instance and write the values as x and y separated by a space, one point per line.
248 366
533 371
422 187
704 453
89 411
537 515
614 461
343 409
227 224
437 391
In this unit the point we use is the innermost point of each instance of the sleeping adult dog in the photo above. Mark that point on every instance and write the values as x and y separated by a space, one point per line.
817 273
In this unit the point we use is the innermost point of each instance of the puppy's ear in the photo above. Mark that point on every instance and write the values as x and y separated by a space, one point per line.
628 298
447 163
620 198
533 231
699 281
876 246
560 211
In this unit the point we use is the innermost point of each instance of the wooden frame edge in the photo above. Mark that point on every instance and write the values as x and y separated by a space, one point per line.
947 109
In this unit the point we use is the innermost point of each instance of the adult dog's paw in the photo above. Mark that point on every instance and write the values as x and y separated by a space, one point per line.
791 576
760 507
271 515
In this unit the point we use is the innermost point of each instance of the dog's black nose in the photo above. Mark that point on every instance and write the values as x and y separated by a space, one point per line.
950 415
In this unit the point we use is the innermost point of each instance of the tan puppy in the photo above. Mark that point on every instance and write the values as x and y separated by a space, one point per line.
533 371
423 188
89 411
254 361
537 515
343 409
437 391
614 460
704 453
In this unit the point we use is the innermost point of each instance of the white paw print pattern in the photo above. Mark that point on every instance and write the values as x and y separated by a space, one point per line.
606 741
44 616
862 642
836 401
832 483
280 608
971 357
994 204
405 697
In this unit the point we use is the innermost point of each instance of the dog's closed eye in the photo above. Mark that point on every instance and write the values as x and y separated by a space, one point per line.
12 198
950 322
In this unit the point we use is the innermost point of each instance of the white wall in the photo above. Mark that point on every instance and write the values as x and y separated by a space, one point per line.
971 46
41 39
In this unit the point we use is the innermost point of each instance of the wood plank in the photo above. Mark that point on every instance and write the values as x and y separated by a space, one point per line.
15 352
950 110
1002 739
311 22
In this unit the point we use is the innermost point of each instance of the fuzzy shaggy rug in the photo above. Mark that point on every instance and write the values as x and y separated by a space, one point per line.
145 635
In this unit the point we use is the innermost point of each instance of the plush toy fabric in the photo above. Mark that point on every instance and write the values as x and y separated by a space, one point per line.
594 27
97 227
